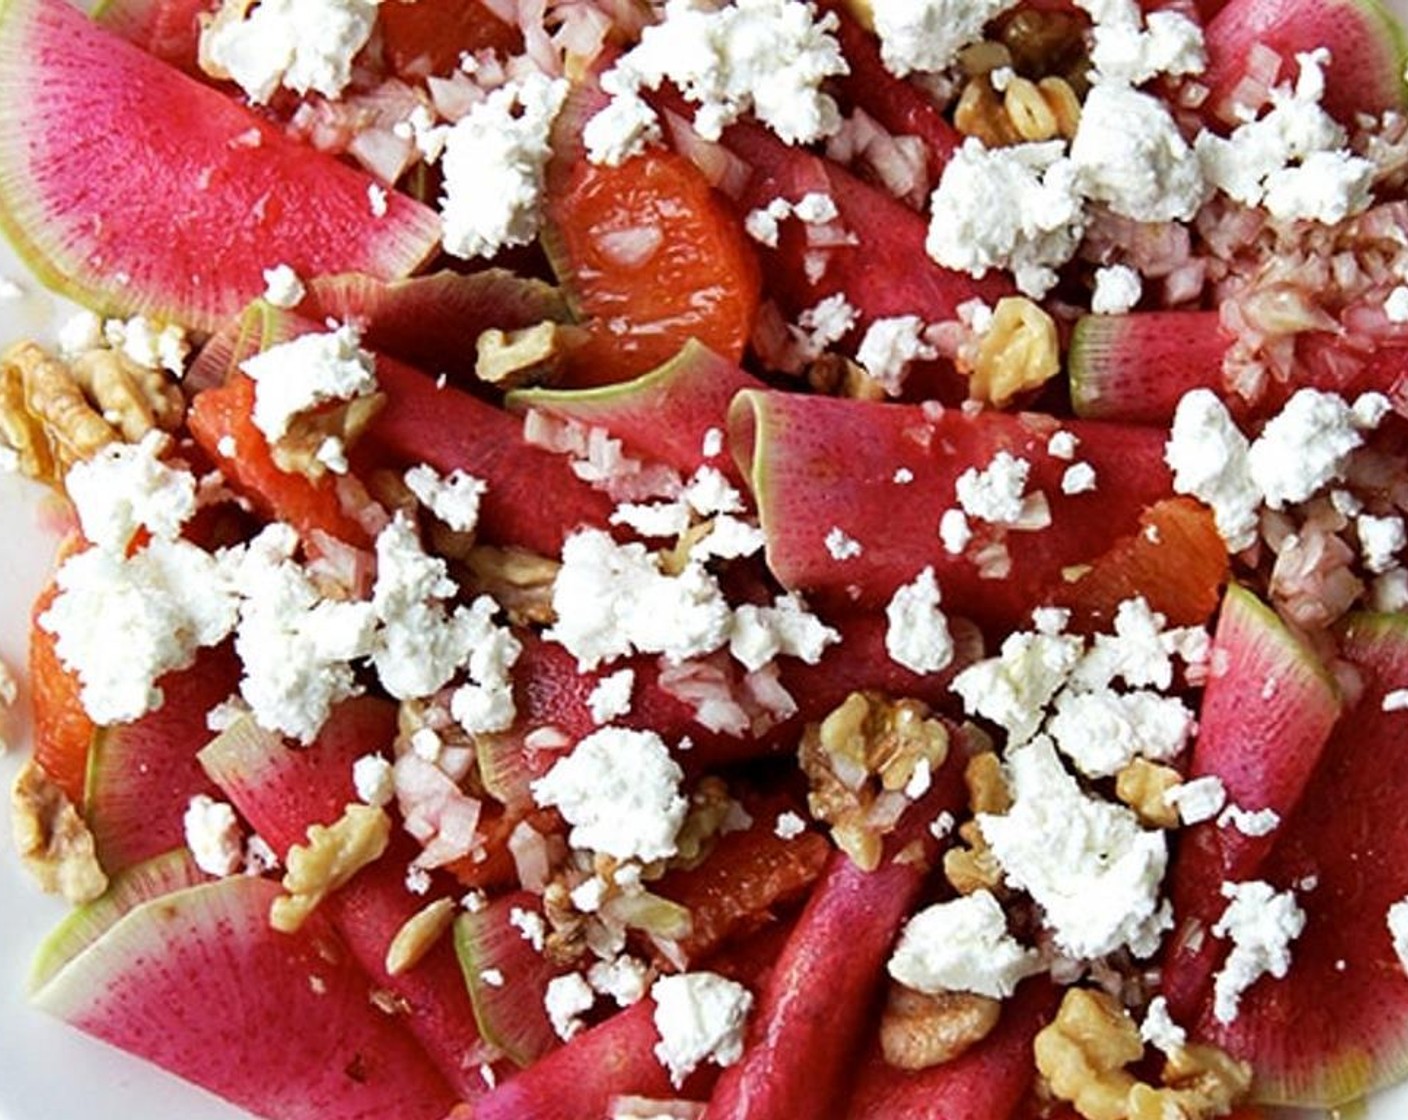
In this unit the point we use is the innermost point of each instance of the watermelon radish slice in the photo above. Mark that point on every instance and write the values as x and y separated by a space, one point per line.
176 222
810 1014
1262 727
507 979
154 878
1366 44
823 466
180 978
1337 1026
985 1083
664 414
433 322
1135 368
142 775
281 791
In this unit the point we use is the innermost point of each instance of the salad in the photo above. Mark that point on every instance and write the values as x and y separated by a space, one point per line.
782 558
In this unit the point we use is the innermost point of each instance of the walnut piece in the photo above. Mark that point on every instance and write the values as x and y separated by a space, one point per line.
54 413
519 581
918 1030
52 838
973 867
1024 112
1018 352
530 356
1083 1053
835 375
317 440
1142 785
333 854
859 760
420 933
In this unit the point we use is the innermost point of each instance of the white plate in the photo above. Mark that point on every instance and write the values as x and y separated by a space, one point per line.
48 1071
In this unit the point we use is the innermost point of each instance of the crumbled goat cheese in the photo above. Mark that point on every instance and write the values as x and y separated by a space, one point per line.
454 499
1088 863
842 546
813 208
160 605
1129 154
1118 289
709 491
611 698
1210 459
1078 478
728 538
1259 822
1014 688
619 790
927 35
612 599
917 636
297 647
623 978
770 56
150 346
1062 445
1304 447
824 325
1139 652
1397 919
657 520
378 200
1381 539
789 825
890 346
1016 208
1261 924
494 161
1159 1029
1396 305
962 946
80 332
1395 701
530 925
373 780
485 703
313 369
787 628
301 45
125 487
1123 53
1198 800
1292 160
954 531
213 835
566 1000
997 493
712 445
700 1016
1103 732
626 126
282 287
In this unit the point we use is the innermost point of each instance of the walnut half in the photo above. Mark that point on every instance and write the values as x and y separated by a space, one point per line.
52 838
919 1030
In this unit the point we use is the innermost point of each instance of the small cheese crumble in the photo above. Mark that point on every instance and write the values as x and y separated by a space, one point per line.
1210 459
1261 822
530 925
125 488
1062 445
1396 305
1198 800
1158 1028
1102 732
1078 478
1397 918
787 628
294 377
1014 688
927 35
213 835
917 635
890 347
789 825
1117 290
840 545
453 498
494 161
282 287
567 998
712 446
1261 923
962 946
997 493
619 790
1305 447
611 697
1395 701
622 978
954 531
700 1016
373 780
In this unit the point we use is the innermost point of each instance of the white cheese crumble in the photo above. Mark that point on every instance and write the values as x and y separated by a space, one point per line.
1014 688
1088 863
1395 701
1210 459
150 345
494 161
1259 822
1062 445
453 498
622 978
788 825
1078 478
840 545
282 287
619 790
890 346
997 493
213 835
1381 539
1261 924
567 999
302 45
962 946
1305 447
373 779
1118 289
1396 305
1169 43
1102 732
787 629
1198 800
529 923
954 531
1397 919
917 635
768 56
1158 1028
927 35
700 1016
611 697
1017 208
126 487
294 377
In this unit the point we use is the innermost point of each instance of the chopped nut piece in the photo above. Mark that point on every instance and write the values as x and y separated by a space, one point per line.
519 581
1046 42
835 375
1142 784
52 839
129 395
859 760
304 448
918 1030
531 356
1026 107
974 867
1061 99
1018 352
421 931
1083 1052
984 57
333 854
987 786
1199 1081
981 113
